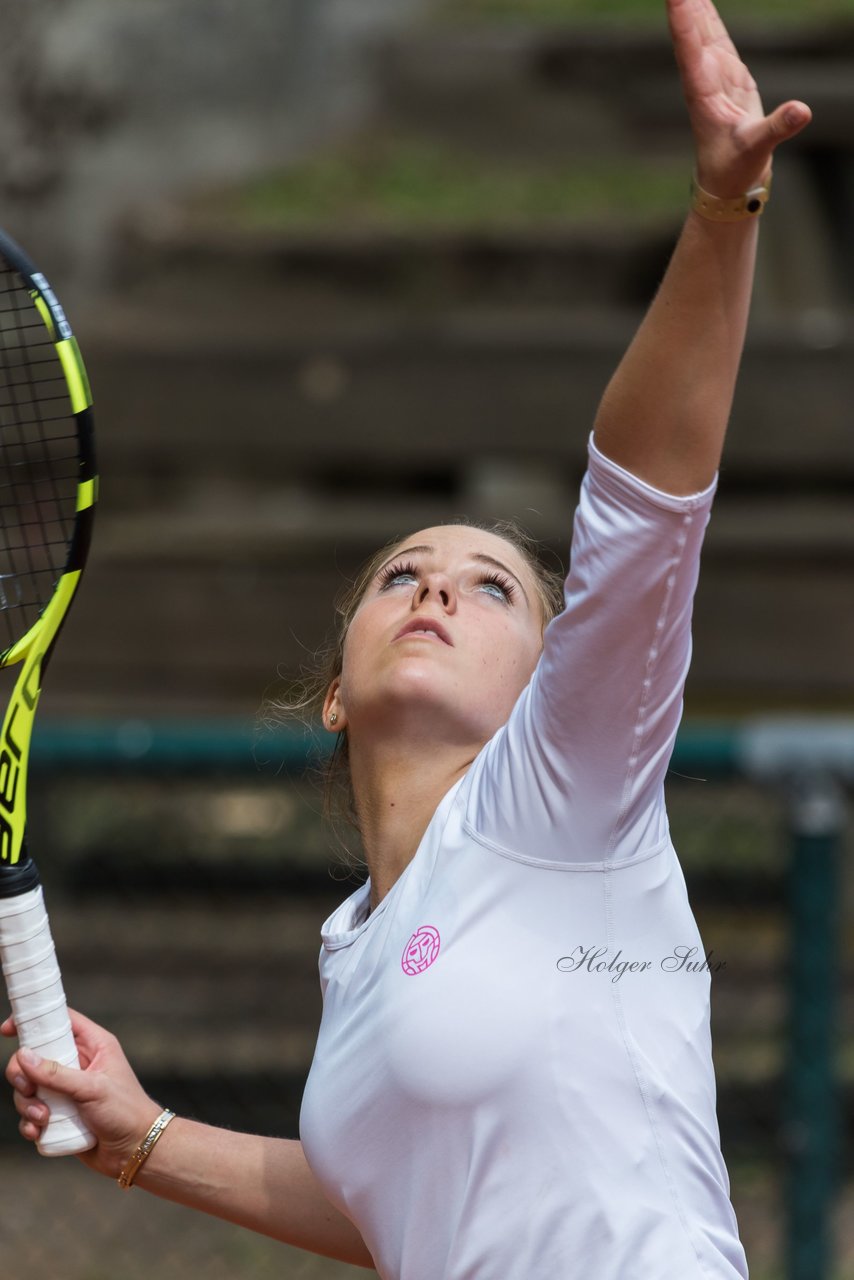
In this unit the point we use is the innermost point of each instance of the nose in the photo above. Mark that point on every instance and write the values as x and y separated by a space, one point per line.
437 585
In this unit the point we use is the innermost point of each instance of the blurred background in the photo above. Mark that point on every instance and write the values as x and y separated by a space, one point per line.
341 269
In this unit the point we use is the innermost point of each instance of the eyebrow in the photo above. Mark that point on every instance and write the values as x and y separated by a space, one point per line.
480 556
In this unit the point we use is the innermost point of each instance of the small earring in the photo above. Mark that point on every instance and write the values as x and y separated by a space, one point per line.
333 719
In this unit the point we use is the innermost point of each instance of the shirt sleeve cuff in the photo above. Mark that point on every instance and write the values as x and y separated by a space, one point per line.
625 480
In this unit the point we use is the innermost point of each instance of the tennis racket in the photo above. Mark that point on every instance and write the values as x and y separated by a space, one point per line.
48 489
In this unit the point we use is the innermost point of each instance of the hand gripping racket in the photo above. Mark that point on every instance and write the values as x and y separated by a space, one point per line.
48 489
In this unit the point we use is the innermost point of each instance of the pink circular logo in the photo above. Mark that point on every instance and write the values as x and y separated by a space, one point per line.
421 950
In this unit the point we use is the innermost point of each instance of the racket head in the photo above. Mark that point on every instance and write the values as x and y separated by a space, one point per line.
48 481
48 491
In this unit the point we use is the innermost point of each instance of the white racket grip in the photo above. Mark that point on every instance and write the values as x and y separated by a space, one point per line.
34 984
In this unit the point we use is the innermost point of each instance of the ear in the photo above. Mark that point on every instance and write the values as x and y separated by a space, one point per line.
332 703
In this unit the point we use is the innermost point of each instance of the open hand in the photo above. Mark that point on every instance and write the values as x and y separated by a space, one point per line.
734 138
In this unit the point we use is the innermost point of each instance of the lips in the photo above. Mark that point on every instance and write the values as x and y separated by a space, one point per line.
424 624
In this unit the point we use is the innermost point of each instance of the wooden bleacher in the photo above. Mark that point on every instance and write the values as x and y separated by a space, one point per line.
271 408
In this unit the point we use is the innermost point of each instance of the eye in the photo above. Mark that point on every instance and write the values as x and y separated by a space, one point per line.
504 584
392 572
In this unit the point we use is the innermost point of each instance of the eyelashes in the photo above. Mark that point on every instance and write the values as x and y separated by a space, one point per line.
392 571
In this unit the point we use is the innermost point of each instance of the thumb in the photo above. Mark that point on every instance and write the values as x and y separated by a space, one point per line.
82 1086
762 136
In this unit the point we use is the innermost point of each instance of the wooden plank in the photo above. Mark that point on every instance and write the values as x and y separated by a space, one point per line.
517 87
179 638
400 395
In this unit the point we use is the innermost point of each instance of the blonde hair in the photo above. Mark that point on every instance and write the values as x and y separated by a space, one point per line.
304 701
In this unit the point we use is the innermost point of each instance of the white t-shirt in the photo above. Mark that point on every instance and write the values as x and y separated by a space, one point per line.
496 1094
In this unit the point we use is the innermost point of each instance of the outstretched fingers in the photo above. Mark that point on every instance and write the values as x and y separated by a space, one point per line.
695 24
735 140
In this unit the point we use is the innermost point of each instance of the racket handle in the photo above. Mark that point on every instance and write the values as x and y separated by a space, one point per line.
34 984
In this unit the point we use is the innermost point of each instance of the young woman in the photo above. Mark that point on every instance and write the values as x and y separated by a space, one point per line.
513 1077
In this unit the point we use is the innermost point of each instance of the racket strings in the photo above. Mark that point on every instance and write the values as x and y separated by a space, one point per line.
39 464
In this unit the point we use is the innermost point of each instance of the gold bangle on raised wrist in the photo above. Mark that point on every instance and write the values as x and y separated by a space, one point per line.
736 209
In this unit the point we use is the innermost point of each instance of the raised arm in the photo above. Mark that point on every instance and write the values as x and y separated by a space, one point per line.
665 412
264 1184
576 776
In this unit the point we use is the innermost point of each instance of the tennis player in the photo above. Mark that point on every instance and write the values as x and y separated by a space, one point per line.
513 1078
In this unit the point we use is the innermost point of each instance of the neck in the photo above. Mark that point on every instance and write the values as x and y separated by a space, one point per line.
397 792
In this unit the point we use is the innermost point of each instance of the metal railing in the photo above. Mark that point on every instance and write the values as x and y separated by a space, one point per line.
807 762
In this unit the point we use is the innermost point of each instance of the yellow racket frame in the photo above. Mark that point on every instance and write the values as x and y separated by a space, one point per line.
34 648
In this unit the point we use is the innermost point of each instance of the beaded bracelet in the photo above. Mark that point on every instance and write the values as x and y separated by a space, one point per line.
144 1150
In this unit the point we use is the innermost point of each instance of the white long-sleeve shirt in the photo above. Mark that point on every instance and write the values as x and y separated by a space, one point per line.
513 1077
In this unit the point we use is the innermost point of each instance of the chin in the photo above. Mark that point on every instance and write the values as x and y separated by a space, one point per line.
421 695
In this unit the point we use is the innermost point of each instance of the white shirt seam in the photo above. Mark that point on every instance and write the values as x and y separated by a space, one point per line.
647 1101
599 864
653 653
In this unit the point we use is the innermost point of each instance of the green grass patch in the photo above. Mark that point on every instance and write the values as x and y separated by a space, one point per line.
412 183
646 12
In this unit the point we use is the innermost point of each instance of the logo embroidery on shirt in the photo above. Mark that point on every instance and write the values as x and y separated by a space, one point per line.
421 950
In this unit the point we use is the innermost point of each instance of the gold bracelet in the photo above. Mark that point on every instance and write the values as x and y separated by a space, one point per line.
750 205
144 1150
